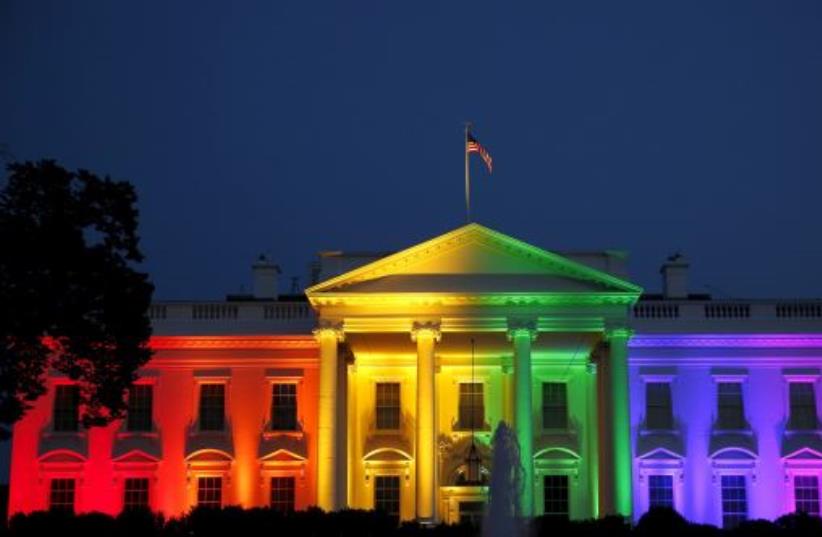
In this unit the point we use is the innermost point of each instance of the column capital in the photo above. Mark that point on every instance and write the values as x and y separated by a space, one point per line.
426 329
522 328
618 332
329 329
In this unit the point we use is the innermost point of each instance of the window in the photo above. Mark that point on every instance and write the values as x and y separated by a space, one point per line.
388 406
61 495
659 414
660 491
210 492
212 407
803 406
555 496
734 501
387 495
66 408
730 407
471 512
282 494
806 494
140 407
135 493
554 405
284 407
472 406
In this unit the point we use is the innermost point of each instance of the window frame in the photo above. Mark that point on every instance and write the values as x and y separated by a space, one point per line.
460 424
275 426
661 380
222 490
649 486
377 478
793 487
567 479
544 406
199 403
791 380
151 425
77 426
125 492
51 493
746 478
271 500
377 407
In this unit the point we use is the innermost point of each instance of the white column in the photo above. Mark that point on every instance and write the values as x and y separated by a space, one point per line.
426 335
328 337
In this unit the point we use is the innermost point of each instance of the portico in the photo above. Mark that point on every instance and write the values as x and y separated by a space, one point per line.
402 395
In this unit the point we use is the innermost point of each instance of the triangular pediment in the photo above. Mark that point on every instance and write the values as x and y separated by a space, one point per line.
474 260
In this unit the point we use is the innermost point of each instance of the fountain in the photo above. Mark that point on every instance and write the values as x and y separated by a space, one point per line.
505 487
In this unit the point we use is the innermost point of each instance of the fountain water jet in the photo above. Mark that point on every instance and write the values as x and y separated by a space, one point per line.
505 488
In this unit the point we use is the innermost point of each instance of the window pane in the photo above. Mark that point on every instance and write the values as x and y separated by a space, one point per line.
734 500
806 493
212 407
471 406
803 406
659 414
284 407
554 405
66 408
730 407
282 494
140 404
135 493
387 495
61 495
210 492
388 405
555 496
661 491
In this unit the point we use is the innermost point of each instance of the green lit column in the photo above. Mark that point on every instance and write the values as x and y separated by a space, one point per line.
592 430
521 335
620 425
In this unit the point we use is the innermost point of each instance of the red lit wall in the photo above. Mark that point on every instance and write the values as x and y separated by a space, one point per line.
174 454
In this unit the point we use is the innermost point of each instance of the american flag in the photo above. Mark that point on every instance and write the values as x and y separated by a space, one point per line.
473 146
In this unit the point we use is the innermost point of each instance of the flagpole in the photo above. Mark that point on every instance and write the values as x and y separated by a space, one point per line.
467 179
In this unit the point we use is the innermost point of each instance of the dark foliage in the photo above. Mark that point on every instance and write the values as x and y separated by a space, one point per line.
70 296
237 522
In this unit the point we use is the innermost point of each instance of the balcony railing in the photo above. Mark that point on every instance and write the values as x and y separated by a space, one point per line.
231 317
776 313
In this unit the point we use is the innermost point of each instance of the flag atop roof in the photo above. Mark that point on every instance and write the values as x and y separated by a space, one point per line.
472 145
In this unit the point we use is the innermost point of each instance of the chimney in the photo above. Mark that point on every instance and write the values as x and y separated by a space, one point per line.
265 273
675 277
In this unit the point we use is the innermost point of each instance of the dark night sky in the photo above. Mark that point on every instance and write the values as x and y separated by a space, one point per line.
296 127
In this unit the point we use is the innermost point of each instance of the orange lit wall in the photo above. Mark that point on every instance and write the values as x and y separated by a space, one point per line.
248 365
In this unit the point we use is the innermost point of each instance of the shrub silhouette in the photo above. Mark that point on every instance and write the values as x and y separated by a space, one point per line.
265 522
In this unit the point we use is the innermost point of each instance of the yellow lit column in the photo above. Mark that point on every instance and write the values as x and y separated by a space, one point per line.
328 338
522 334
426 335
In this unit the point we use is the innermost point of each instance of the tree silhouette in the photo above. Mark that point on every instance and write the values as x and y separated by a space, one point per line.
71 299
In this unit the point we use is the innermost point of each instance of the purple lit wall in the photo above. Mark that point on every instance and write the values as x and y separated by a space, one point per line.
768 450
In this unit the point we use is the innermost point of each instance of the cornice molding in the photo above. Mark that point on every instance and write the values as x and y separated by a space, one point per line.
474 299
232 342
755 341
